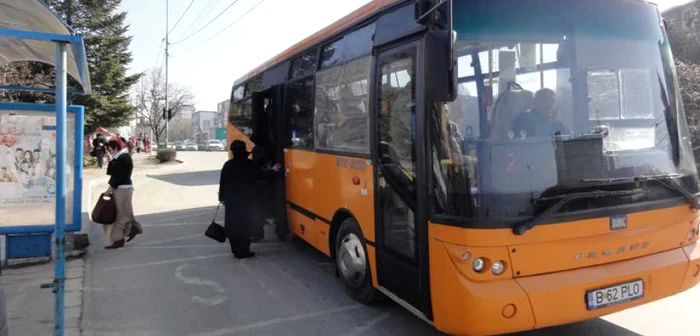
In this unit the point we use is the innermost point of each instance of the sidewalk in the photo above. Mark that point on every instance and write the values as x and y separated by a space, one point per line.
30 308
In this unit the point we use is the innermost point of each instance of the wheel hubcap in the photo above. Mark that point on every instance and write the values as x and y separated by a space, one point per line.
351 260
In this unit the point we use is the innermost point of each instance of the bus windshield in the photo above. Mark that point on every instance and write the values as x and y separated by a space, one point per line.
557 97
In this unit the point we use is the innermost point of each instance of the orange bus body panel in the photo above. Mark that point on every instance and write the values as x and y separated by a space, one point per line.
663 274
562 281
324 184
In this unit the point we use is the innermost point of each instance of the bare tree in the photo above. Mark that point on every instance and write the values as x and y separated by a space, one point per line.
150 100
180 129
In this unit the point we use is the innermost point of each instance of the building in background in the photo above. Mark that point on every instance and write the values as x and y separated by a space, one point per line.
204 125
180 127
222 119
184 113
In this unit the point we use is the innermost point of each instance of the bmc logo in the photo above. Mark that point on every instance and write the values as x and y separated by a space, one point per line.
618 222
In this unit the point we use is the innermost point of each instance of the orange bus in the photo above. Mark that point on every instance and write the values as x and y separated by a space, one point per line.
490 165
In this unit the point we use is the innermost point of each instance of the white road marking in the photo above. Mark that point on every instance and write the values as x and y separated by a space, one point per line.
262 247
174 224
268 323
155 242
216 300
189 215
257 278
174 247
369 325
163 262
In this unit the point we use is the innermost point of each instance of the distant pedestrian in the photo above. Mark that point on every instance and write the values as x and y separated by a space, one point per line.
139 145
121 188
99 149
238 181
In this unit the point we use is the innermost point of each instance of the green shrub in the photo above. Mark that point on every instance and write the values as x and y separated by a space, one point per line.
90 161
166 155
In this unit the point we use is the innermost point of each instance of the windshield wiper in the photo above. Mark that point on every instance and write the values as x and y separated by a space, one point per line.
667 180
521 228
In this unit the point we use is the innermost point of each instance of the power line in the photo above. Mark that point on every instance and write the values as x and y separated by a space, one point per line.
182 16
160 51
203 14
234 22
207 25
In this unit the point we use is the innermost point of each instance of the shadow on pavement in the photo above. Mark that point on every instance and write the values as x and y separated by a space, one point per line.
192 179
590 327
292 284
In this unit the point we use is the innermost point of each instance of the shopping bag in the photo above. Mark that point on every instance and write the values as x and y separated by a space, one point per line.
105 211
216 231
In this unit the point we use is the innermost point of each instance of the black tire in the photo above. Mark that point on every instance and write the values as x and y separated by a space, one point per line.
359 287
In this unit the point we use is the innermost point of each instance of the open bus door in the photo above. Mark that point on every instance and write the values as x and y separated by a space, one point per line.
268 132
401 213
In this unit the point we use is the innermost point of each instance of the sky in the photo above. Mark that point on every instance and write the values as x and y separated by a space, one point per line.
246 34
209 66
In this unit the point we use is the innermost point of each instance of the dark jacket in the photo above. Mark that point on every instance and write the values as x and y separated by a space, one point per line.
120 170
98 145
237 184
533 124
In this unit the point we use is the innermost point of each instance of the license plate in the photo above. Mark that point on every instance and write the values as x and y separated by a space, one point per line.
608 296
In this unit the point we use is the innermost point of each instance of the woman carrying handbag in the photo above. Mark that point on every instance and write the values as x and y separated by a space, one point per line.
122 190
239 179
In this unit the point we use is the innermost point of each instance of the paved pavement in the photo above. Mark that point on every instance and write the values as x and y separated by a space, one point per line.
173 281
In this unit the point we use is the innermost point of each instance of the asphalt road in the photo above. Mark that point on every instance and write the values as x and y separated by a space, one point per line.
174 281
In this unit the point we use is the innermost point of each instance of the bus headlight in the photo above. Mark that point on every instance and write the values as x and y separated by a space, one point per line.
498 268
478 265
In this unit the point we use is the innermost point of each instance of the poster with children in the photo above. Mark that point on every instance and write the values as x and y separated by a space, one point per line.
28 167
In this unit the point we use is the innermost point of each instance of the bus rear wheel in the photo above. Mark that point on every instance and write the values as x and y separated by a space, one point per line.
353 264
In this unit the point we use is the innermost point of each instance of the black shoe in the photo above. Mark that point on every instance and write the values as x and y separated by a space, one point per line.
243 256
117 244
133 234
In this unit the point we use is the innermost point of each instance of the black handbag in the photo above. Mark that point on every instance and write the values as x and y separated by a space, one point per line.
105 211
216 231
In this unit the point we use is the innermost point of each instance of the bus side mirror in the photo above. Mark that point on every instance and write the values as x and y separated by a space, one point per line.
431 12
440 67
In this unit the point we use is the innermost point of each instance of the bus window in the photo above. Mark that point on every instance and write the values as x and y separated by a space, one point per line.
241 116
341 118
352 46
397 155
238 93
300 111
304 65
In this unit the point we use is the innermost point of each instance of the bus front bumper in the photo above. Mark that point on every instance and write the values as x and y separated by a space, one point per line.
546 300
560 298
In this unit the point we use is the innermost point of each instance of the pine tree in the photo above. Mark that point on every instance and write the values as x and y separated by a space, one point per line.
107 49
108 55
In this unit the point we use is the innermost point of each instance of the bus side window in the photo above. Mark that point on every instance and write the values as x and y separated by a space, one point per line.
300 108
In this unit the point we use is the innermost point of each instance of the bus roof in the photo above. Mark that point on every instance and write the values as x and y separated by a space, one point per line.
347 21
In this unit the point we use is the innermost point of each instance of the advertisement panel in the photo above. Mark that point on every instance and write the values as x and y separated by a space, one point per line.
28 167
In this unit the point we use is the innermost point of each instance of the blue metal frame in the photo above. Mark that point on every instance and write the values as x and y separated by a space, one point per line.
79 113
36 89
32 35
61 109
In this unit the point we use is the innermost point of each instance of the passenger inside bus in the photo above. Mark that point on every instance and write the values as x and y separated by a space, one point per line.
542 120
509 106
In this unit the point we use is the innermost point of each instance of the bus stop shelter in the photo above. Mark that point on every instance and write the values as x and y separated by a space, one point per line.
31 31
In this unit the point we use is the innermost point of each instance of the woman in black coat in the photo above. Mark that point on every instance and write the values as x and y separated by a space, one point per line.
122 189
237 183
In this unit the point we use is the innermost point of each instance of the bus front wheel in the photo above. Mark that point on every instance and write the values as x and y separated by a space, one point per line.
353 264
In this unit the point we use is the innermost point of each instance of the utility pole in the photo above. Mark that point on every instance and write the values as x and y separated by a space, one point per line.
167 43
